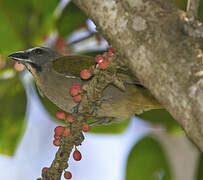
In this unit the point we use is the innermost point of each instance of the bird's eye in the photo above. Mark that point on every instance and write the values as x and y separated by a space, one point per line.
38 51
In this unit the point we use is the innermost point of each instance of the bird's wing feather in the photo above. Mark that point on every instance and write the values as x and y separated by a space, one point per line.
72 65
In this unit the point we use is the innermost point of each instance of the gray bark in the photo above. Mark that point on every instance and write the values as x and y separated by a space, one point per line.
149 35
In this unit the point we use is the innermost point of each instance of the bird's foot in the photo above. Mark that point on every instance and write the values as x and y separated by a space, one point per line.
118 83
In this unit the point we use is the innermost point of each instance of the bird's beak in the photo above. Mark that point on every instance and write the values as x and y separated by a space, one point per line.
21 56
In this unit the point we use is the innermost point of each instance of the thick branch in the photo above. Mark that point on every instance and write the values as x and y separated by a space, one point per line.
149 35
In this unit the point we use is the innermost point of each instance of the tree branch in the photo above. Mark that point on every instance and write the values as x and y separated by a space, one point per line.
149 35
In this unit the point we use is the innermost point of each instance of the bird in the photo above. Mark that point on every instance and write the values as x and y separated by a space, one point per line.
55 73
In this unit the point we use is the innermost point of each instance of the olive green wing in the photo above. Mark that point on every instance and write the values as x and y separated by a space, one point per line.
72 65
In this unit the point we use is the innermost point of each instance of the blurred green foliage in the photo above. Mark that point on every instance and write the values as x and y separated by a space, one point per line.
200 168
71 19
161 116
23 23
12 114
147 161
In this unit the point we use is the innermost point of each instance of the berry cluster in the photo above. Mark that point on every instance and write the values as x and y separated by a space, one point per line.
61 131
76 92
104 60
102 63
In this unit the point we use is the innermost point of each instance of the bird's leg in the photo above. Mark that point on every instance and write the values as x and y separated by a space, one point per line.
74 110
102 120
118 83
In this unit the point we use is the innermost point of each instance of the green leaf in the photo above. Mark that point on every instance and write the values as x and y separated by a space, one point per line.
200 168
182 4
147 161
113 128
12 114
71 19
161 116
24 22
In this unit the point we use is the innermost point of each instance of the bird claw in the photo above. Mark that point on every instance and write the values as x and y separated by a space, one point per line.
119 83
74 110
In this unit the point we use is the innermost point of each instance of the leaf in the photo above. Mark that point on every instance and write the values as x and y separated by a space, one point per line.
182 4
200 168
71 19
113 128
23 23
147 161
12 114
161 116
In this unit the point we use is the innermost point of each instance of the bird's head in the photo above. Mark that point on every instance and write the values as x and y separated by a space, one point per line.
35 58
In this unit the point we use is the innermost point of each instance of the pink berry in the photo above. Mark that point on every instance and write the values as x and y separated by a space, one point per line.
60 114
44 169
103 64
77 155
59 130
56 142
76 86
56 137
66 132
67 175
86 128
98 58
108 58
74 91
60 44
85 74
19 67
77 98
69 119
110 53
112 50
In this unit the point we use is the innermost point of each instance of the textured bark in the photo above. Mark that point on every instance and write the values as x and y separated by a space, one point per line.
149 35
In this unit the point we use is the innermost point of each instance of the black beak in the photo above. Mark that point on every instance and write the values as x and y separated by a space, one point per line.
20 56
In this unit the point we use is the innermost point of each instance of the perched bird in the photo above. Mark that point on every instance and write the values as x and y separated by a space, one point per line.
54 75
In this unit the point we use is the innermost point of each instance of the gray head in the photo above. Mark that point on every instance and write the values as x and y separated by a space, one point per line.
35 57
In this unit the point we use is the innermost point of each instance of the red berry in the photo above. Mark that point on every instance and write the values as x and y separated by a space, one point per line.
66 132
67 175
98 58
19 67
59 130
86 128
76 86
56 137
69 119
75 89
44 169
77 98
108 58
60 114
56 142
60 44
77 155
112 50
85 74
103 64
